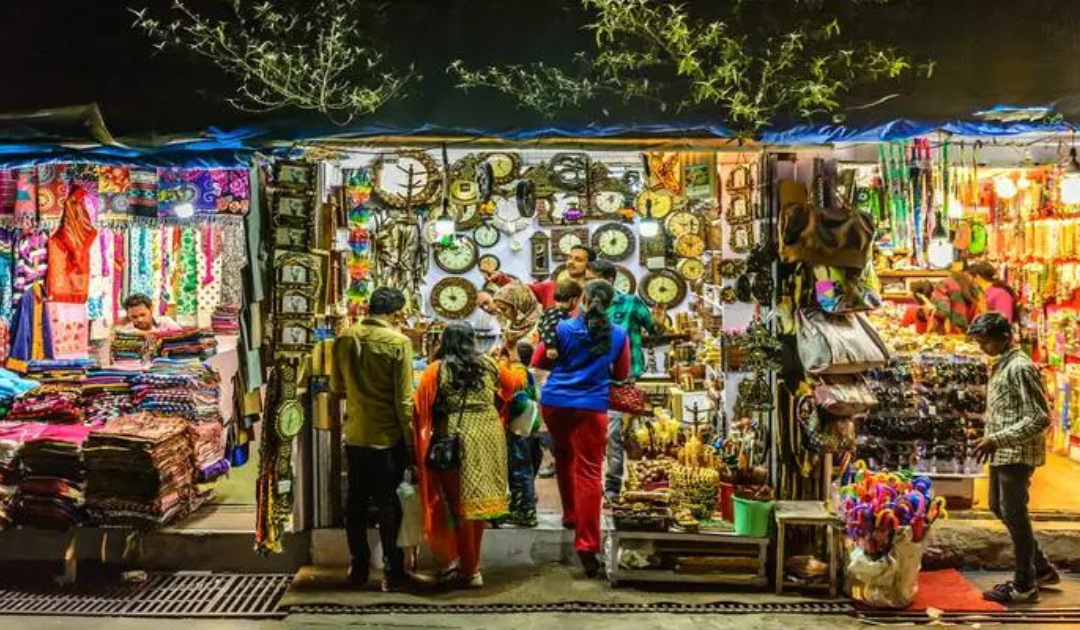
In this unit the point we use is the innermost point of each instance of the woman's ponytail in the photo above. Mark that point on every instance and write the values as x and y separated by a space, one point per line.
598 297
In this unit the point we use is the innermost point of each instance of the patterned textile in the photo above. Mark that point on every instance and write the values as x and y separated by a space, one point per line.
30 263
68 273
358 189
54 185
114 184
175 187
233 258
1017 411
7 274
142 267
209 264
70 328
142 192
231 186
206 198
9 183
26 196
97 293
187 297
85 176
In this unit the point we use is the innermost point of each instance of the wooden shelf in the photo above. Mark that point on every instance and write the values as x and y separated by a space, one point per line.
754 550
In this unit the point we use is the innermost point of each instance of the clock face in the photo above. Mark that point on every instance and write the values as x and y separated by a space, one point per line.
624 280
663 287
503 165
290 419
613 241
458 258
658 202
453 298
691 269
464 191
486 235
683 222
489 263
609 201
567 242
431 232
690 246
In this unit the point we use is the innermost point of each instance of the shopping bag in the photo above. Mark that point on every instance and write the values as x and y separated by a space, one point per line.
411 532
890 581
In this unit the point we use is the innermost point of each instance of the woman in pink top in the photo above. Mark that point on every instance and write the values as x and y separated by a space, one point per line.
998 296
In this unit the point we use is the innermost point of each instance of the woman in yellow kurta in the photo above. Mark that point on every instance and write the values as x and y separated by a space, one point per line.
458 394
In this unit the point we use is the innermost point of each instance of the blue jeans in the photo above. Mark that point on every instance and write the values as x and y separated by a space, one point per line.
616 454
522 484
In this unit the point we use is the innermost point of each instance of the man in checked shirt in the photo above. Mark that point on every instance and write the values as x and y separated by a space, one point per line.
1017 416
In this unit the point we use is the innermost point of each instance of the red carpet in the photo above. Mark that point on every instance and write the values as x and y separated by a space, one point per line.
950 591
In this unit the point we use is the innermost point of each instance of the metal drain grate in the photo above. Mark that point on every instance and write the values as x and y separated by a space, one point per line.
821 608
162 595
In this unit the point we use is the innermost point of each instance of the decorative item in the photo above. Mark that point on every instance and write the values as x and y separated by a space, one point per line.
690 246
663 287
360 222
295 302
471 181
295 238
295 337
692 269
295 269
540 246
290 175
652 252
665 170
663 202
505 166
682 222
489 263
625 280
407 178
607 203
525 195
742 238
740 179
290 419
613 241
565 239
739 210
453 298
730 268
457 258
467 217
293 205
486 235
698 180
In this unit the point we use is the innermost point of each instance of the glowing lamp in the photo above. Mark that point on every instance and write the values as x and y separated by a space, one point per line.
184 210
1004 187
445 224
1069 184
648 226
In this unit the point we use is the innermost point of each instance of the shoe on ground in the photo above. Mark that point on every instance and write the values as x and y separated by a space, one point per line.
476 580
523 519
406 584
1048 577
1008 593
358 576
590 563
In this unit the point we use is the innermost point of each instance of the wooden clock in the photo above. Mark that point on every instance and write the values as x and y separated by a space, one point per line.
653 251
565 239
540 248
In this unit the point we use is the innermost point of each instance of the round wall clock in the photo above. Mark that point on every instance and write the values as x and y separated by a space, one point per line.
564 240
690 246
489 263
408 177
663 202
609 202
625 280
486 235
431 232
691 268
290 419
664 287
467 217
613 241
458 258
453 298
683 222
560 273
505 166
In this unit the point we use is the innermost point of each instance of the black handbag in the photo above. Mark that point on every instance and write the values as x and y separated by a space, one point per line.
444 451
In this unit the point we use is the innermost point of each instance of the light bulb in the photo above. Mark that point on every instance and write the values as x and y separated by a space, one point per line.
1023 183
184 210
940 253
648 227
444 225
1004 187
1070 189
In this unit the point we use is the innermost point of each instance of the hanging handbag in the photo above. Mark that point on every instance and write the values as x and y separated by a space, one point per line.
627 398
844 395
841 237
838 344
444 451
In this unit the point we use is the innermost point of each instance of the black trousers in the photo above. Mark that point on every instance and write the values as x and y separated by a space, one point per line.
1009 487
374 475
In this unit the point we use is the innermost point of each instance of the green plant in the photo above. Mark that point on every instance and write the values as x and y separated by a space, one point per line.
761 59
315 57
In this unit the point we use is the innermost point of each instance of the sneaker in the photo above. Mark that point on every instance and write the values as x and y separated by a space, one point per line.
1048 577
590 563
523 519
476 580
1008 593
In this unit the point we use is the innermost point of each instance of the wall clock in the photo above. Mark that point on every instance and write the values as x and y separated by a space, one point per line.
607 203
489 263
405 178
431 232
664 287
682 222
458 257
625 280
505 166
690 246
560 273
453 298
565 239
467 217
540 252
486 235
692 269
663 202
290 419
613 241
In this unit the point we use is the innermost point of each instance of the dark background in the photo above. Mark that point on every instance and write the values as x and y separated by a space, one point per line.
62 52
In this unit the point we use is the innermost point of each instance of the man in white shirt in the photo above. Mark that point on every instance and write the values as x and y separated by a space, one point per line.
140 316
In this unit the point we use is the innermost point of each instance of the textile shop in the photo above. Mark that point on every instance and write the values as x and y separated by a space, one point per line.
104 423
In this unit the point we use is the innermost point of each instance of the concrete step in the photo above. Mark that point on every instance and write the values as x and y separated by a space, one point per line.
985 544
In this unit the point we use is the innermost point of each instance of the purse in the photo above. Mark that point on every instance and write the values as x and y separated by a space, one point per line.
844 396
444 451
838 344
628 398
841 237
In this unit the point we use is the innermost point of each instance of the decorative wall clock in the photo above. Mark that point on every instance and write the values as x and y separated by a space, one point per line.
540 253
406 178
690 246
453 298
489 263
625 280
663 202
458 258
486 235
682 222
692 269
565 239
664 287
505 166
607 203
613 241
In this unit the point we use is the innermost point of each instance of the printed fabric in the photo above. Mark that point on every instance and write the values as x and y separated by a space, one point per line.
231 188
30 261
233 256
52 191
142 192
114 188
26 196
175 188
9 182
31 332
68 273
70 329
187 296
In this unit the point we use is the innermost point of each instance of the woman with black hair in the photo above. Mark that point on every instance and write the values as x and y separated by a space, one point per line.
592 352
997 297
457 395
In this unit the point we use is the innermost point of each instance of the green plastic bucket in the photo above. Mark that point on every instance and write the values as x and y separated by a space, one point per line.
753 518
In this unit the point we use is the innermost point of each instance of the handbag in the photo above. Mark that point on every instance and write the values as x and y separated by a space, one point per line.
444 451
627 398
842 236
844 395
838 344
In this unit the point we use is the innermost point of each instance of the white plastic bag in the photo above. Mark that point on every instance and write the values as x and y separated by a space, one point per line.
890 581
411 532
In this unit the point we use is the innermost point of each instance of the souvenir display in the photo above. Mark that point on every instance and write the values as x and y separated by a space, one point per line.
683 222
406 179
486 236
505 166
692 269
453 298
690 246
489 263
657 203
540 254
457 258
613 241
652 251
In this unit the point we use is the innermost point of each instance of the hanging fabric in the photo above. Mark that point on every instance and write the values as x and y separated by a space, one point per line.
232 264
231 187
8 239
142 192
31 332
175 188
121 270
69 329
9 182
114 183
142 268
187 297
209 264
26 196
85 177
30 261
53 189
68 274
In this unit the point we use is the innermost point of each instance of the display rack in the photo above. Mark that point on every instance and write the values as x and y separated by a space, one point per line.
740 550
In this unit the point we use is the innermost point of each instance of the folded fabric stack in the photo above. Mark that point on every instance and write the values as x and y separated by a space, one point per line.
208 440
129 346
226 320
106 394
187 343
56 404
59 371
140 471
51 483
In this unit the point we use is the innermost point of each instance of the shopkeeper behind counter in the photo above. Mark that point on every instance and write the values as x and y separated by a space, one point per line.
140 316
920 315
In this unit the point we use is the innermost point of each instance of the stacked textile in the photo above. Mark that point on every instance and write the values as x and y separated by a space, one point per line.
140 471
187 343
226 320
106 394
128 346
56 404
51 483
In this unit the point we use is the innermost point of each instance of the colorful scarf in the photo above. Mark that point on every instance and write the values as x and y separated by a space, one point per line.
526 308
231 187
53 188
358 189
9 183
142 192
187 297
26 196
175 187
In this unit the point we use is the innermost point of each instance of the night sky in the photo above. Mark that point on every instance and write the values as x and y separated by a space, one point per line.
63 52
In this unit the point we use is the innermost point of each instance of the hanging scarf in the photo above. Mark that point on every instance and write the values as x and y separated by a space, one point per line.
187 298
233 256
9 183
526 308
142 192
26 196
209 265
231 188
52 192
142 266
68 275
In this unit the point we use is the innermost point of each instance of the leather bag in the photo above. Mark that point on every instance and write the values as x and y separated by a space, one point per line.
628 398
844 395
840 237
838 344
444 451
